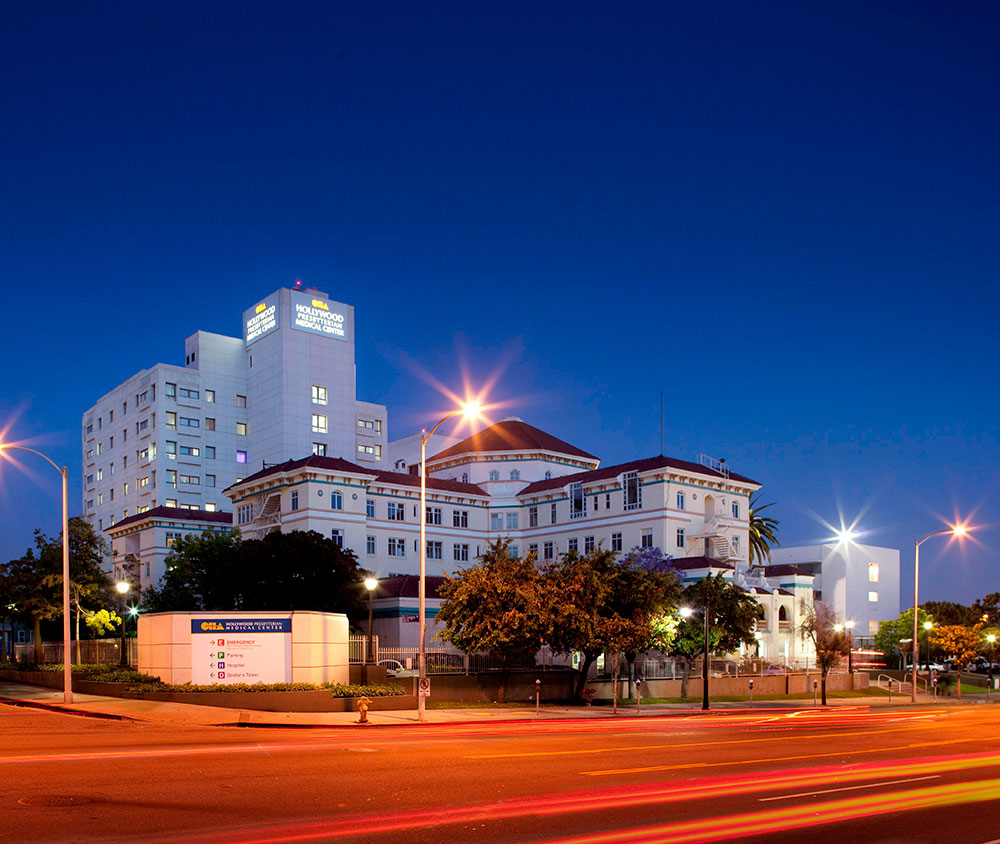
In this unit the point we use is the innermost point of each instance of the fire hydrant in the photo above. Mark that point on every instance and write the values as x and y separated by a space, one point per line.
363 704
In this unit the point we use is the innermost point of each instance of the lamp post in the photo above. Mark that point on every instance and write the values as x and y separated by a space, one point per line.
928 626
957 530
686 612
67 667
470 411
849 624
122 586
371 584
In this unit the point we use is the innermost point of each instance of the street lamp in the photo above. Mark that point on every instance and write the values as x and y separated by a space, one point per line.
849 624
992 639
686 612
371 584
471 410
67 667
957 530
928 626
122 586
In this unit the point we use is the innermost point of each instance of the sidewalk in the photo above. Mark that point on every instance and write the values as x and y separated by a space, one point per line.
182 714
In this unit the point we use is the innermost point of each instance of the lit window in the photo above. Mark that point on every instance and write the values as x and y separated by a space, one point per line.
190 450
171 420
319 425
241 429
191 480
319 395
209 423
873 597
241 457
210 395
241 401
873 572
171 390
319 449
210 506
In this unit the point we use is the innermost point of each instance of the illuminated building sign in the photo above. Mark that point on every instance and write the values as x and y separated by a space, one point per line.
260 320
315 315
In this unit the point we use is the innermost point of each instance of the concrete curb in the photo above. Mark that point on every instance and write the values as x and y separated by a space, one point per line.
64 710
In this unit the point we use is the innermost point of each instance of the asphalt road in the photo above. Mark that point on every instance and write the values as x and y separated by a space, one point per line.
844 775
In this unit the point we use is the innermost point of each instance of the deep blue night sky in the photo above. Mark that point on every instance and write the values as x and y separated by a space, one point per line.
782 215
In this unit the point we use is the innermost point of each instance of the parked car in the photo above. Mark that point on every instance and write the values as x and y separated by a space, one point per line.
393 666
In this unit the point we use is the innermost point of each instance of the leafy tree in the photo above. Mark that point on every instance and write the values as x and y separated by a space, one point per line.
298 570
732 616
494 606
988 606
948 612
819 626
961 643
892 633
27 582
763 532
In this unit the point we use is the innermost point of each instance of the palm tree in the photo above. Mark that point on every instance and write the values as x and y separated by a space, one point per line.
763 532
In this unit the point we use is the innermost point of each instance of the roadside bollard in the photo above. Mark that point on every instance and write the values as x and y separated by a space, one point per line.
538 697
815 686
934 686
363 704
638 695
751 693
890 690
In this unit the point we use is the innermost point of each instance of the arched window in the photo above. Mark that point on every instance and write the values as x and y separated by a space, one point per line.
548 476
494 475
515 475
782 613
465 477
336 501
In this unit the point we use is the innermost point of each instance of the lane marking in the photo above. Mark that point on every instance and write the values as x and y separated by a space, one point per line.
845 788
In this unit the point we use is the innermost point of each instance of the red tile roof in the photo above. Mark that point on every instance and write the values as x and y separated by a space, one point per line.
646 465
689 563
177 514
510 435
338 464
785 569
407 586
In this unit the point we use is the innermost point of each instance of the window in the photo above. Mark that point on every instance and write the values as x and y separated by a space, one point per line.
736 510
374 425
210 507
680 537
680 500
465 477
577 502
171 502
496 521
241 429
337 535
533 516
533 548
460 518
210 480
244 514
370 451
873 597
433 515
210 395
515 475
141 426
514 551
873 572
397 547
512 521
241 457
647 538
187 422
144 482
549 549
370 545
90 453
572 545
241 401
588 544
90 480
90 429
210 452
209 423
319 423
460 552
100 497
172 538
319 449
548 476
319 395
90 503
295 500
616 542
171 390
188 394
100 449
394 512
370 508
142 398
873 628
553 512
172 477
632 491
494 475
190 450
111 442
736 545
100 474
336 501
434 551
191 480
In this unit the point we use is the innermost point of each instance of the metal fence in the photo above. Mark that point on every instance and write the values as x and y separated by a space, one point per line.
660 667
92 651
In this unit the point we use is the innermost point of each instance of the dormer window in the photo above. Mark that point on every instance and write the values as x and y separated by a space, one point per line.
494 475
515 475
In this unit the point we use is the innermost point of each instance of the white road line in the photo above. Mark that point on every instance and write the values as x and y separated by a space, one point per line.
852 788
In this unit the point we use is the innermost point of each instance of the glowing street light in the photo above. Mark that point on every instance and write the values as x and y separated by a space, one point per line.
123 586
471 410
956 530
67 668
687 612
371 584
